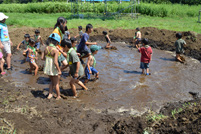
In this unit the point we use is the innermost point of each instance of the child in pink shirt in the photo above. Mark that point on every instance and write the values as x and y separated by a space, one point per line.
146 54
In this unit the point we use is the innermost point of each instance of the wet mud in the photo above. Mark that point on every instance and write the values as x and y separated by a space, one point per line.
121 101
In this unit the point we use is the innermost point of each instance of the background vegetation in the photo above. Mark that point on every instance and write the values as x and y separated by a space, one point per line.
158 10
190 2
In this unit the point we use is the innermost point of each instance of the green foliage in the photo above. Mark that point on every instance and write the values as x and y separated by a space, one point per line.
159 10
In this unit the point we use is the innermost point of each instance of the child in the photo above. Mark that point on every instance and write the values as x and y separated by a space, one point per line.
179 44
108 41
137 37
38 40
80 33
32 56
25 42
67 33
90 68
2 61
82 47
51 64
76 69
5 42
146 54
59 28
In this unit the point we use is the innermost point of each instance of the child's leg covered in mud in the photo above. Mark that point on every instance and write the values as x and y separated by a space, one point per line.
2 61
34 66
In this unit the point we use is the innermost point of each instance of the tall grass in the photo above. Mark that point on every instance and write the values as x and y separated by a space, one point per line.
158 10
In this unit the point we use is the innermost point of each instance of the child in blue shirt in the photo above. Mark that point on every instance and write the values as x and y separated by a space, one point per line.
5 42
82 47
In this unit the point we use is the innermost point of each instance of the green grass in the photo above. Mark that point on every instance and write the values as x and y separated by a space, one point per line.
49 20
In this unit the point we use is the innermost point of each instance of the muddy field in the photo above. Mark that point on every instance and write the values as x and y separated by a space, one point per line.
113 104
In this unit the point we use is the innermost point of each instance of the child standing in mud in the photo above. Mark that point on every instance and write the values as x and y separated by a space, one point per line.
179 44
91 64
108 41
146 55
5 42
80 33
67 33
76 68
82 47
32 56
59 28
137 37
51 64
38 40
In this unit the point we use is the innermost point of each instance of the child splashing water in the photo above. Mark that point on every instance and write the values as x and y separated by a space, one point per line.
51 64
32 57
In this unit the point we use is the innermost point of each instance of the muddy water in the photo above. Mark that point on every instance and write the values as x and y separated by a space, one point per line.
121 86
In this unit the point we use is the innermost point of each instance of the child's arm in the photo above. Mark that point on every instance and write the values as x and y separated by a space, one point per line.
1 45
88 62
56 61
108 38
77 69
18 46
61 51
91 43
41 41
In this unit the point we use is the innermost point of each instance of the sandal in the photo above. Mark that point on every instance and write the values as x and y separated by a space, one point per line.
3 73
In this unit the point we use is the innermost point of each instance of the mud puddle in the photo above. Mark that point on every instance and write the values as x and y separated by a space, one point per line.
121 87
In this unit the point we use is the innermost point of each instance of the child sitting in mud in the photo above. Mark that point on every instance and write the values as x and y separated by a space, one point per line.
32 56
38 40
82 47
76 68
80 33
146 55
137 38
2 61
108 41
179 44
51 64
91 64
25 42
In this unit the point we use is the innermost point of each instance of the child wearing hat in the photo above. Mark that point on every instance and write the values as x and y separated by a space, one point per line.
5 42
51 64
91 64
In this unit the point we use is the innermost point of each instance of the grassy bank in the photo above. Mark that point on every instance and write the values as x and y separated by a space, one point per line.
159 10
48 20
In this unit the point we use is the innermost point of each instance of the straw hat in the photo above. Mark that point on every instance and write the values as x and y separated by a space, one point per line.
3 16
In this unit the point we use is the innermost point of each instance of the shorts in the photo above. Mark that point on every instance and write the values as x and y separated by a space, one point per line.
85 51
7 47
37 45
31 60
61 58
138 41
144 65
87 74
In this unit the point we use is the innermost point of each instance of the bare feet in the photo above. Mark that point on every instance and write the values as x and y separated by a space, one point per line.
58 98
49 96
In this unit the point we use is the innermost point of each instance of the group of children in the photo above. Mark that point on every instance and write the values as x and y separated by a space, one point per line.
61 52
